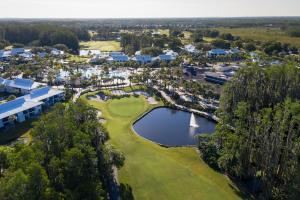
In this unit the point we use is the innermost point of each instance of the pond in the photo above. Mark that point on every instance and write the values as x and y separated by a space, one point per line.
172 127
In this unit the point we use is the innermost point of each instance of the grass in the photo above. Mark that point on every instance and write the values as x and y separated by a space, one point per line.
155 172
75 58
164 32
101 45
262 34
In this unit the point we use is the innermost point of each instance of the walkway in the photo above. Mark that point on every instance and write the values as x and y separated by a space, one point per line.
171 101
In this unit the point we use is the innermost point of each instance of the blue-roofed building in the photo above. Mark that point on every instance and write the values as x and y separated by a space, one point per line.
118 58
17 51
143 59
217 52
116 53
29 106
4 55
18 110
166 58
19 85
26 55
42 54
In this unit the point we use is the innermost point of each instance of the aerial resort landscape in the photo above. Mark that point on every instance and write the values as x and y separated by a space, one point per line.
143 100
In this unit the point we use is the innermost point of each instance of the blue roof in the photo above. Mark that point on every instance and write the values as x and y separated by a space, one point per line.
21 83
11 105
143 58
217 51
16 51
116 53
165 57
1 52
39 92
120 57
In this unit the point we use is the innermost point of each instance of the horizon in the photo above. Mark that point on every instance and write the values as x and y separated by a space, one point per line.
136 9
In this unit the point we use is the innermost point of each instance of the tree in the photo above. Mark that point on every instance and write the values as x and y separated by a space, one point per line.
227 36
67 159
257 138
249 47
153 51
221 44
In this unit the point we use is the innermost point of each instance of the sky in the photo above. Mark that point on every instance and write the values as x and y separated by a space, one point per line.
146 8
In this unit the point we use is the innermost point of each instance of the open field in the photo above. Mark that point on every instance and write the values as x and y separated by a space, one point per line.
262 34
75 58
101 45
164 32
187 37
154 171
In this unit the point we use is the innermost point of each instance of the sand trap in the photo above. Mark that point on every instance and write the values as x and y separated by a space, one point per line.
152 101
118 92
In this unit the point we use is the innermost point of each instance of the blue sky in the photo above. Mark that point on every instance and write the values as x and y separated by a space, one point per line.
147 8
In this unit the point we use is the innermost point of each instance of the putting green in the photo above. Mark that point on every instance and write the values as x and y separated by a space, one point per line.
155 172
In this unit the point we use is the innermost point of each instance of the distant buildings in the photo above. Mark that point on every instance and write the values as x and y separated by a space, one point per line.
216 52
223 52
117 57
143 59
29 106
191 49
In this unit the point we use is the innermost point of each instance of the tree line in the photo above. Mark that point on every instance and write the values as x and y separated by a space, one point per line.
257 139
68 158
43 35
132 43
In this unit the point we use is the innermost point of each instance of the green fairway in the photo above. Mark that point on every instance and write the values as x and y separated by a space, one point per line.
155 172
101 45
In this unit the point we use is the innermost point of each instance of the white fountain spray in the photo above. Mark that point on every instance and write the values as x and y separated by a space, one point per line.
193 122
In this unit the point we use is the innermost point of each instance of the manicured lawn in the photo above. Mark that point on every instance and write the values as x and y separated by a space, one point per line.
164 31
155 172
75 58
101 45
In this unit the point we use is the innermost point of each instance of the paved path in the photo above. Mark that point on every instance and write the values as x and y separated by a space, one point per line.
170 100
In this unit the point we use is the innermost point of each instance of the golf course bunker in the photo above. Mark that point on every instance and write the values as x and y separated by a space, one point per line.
172 127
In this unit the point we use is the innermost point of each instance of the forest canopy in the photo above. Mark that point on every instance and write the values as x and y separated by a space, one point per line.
44 35
68 158
257 139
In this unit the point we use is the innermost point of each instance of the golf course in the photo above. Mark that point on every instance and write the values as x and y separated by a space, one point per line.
153 171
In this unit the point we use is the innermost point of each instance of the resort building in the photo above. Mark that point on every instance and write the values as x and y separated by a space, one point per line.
29 106
18 86
143 59
217 52
166 58
217 78
4 55
17 51
117 57
89 52
57 52
191 49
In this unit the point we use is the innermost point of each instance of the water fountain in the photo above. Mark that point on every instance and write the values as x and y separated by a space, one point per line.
193 122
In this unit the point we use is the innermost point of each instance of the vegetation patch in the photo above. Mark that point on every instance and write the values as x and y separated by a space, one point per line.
262 34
